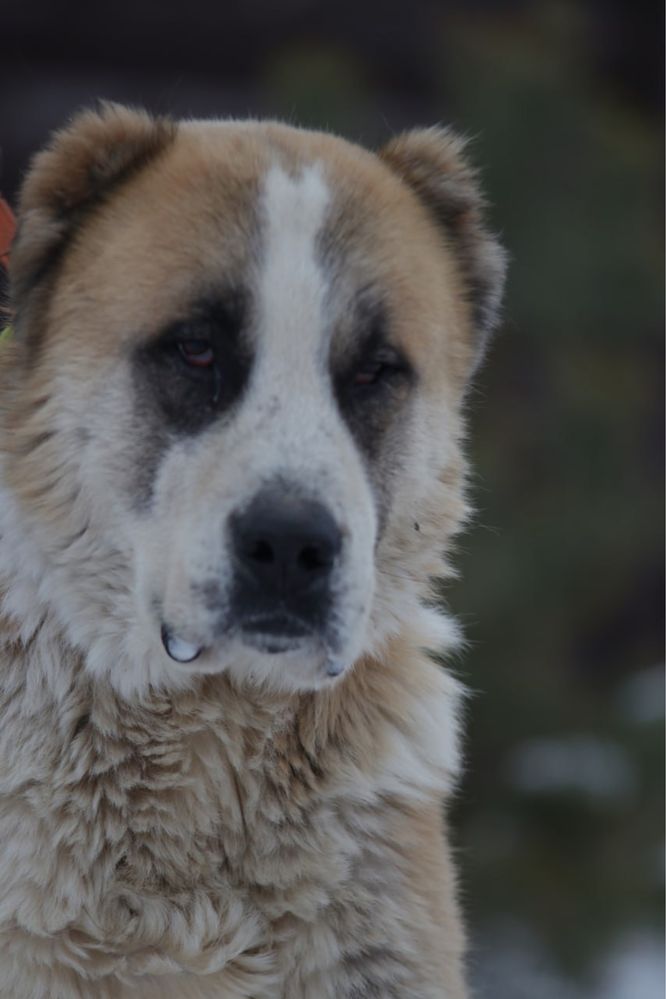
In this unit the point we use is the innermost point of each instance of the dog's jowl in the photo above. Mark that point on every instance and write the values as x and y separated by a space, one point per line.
230 467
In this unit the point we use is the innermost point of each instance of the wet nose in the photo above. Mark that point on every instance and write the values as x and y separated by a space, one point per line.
284 546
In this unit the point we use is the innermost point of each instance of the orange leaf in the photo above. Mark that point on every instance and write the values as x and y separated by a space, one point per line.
7 231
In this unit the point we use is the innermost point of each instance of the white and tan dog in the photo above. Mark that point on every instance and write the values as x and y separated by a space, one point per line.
230 464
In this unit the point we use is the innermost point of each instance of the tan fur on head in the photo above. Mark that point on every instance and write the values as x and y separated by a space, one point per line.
261 820
80 167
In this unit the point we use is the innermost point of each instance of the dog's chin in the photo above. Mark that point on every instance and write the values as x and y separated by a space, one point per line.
285 663
273 644
288 662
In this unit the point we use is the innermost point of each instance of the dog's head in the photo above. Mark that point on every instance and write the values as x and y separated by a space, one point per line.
233 425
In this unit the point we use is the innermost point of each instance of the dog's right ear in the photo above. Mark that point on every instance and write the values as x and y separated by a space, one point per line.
83 162
432 162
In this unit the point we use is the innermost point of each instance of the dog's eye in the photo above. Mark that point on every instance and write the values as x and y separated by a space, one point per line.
370 374
375 371
197 353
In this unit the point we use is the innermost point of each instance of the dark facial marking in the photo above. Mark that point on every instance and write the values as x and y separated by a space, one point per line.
190 396
371 377
175 398
373 383
370 386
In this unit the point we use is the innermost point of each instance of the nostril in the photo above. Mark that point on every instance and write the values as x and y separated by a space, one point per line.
261 551
313 557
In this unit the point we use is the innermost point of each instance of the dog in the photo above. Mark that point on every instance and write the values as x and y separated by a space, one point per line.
231 466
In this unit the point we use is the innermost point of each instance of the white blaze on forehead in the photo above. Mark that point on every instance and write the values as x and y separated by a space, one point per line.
292 284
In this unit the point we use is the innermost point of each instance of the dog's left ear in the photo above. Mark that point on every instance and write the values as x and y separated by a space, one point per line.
431 161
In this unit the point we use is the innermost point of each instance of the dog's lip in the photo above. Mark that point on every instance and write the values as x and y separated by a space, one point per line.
274 632
275 623
271 645
271 632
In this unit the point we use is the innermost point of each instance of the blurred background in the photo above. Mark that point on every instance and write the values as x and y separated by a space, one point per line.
559 821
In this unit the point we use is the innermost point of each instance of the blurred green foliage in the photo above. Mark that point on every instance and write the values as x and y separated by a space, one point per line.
559 820
562 595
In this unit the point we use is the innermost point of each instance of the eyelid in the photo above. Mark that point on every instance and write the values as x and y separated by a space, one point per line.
386 355
202 356
191 331
199 341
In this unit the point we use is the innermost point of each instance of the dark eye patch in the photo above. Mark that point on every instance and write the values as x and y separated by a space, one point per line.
189 395
373 382
377 367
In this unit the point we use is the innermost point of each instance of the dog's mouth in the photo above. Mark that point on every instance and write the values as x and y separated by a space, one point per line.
275 632
271 633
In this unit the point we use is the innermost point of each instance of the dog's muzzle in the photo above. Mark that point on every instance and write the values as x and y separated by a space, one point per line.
285 548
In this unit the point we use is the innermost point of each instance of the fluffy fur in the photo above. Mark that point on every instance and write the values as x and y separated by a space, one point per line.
243 826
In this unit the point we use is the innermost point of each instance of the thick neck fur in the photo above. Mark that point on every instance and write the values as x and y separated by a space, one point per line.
203 829
188 831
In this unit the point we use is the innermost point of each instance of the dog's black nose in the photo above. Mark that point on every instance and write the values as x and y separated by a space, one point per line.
285 545
284 549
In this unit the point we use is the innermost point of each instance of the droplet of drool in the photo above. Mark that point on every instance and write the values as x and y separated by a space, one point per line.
178 648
